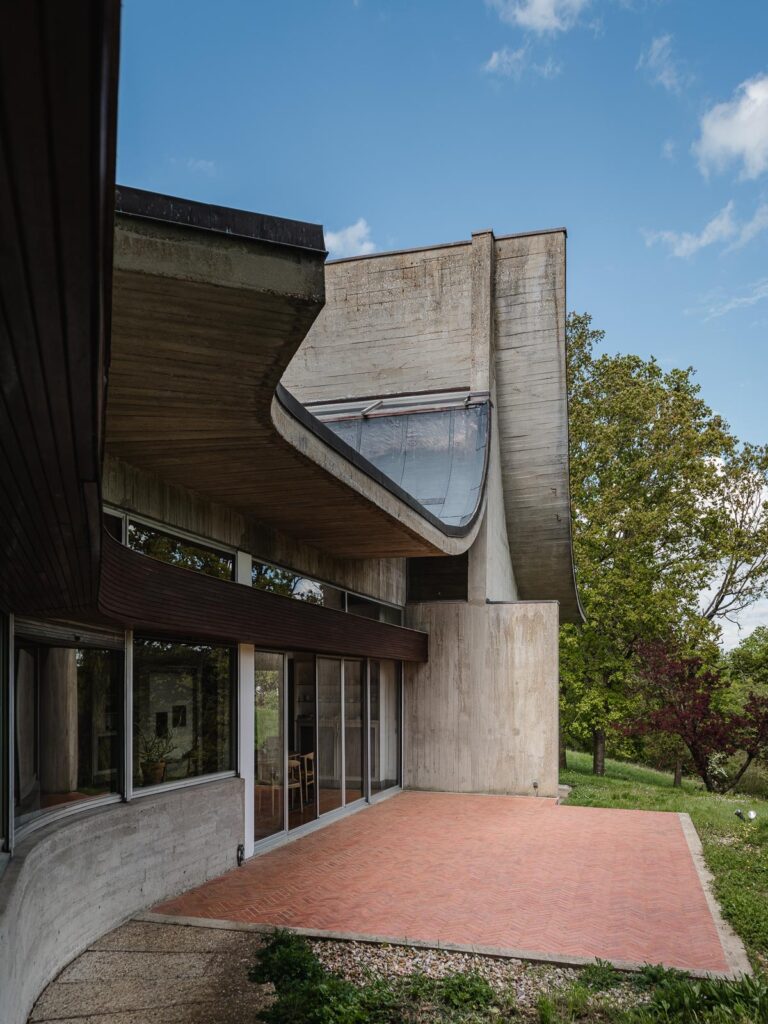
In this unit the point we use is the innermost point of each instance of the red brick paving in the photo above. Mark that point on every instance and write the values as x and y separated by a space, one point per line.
509 872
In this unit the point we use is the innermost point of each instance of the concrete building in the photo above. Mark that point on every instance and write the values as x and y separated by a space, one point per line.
279 535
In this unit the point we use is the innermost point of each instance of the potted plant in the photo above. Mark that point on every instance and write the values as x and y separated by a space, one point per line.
153 752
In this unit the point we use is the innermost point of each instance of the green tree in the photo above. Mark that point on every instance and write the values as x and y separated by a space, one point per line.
667 506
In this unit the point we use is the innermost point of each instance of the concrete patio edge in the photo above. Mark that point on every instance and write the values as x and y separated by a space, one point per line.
733 947
531 956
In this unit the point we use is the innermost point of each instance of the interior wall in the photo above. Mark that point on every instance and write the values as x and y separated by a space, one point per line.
146 494
481 716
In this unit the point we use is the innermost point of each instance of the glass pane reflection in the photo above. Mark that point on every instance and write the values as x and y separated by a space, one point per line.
329 732
268 738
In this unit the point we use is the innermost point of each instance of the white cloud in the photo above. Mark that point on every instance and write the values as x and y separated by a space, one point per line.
737 131
354 240
753 227
722 228
669 150
202 166
514 64
510 63
540 15
662 66
684 243
751 295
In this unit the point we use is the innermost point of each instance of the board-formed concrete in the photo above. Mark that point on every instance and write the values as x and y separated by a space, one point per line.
512 876
75 879
481 716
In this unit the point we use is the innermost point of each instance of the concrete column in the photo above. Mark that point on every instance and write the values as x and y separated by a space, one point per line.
58 721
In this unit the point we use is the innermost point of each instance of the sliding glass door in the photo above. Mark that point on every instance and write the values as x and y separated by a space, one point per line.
385 724
269 760
301 778
312 748
354 733
329 733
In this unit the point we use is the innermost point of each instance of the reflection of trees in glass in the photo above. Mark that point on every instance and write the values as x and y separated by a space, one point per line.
176 551
198 677
267 688
286 583
99 678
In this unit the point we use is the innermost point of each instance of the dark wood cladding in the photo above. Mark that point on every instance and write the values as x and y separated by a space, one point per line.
58 91
438 579
145 594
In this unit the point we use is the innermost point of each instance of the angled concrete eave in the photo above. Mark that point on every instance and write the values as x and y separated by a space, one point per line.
532 406
210 305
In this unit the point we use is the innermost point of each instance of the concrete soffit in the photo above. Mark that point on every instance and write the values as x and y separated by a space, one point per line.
207 315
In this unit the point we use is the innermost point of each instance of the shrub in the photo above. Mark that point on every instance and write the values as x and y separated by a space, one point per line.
285 960
677 1000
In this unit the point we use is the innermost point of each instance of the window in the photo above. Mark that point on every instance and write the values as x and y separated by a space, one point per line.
286 583
268 745
385 724
192 687
68 718
370 609
114 525
290 584
177 551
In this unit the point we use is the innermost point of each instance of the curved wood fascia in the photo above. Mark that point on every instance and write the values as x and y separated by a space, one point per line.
144 594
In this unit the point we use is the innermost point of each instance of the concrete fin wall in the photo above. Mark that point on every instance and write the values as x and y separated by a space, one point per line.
482 715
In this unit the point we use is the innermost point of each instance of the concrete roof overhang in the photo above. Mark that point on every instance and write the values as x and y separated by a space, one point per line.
209 306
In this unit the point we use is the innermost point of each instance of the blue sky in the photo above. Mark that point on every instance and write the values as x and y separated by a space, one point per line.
640 125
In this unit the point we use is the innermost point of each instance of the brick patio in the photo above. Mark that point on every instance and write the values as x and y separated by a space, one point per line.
516 874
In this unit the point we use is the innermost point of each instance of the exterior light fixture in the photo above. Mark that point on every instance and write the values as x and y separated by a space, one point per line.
739 814
751 815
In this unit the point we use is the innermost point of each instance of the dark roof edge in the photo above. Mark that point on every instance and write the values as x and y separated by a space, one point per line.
221 220
294 408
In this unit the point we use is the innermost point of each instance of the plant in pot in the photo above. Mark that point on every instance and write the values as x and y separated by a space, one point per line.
153 752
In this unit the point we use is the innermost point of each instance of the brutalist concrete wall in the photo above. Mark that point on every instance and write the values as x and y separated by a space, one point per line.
393 322
481 716
72 881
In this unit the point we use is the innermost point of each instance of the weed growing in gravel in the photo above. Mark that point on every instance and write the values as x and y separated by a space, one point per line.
600 976
308 993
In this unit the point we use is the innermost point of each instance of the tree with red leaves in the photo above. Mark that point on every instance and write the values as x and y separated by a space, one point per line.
684 697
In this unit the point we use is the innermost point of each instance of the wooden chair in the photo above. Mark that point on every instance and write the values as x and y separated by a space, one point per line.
309 775
294 781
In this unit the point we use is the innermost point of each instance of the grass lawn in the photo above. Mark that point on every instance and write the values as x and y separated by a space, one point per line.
736 853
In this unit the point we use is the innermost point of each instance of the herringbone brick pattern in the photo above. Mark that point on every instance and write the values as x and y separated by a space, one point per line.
509 872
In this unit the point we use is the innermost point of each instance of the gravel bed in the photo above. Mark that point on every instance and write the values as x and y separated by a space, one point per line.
360 962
